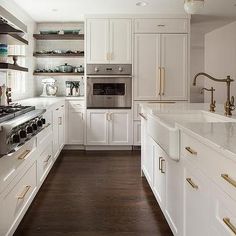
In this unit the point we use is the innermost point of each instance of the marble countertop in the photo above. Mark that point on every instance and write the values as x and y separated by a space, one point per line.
46 102
218 135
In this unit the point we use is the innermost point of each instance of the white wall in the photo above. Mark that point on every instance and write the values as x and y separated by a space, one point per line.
220 59
28 88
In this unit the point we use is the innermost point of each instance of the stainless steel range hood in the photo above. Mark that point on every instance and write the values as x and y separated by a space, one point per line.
10 24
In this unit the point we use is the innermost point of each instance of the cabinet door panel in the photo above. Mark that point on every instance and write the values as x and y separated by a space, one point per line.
76 126
120 41
97 40
97 131
174 62
61 127
146 67
196 203
120 128
55 132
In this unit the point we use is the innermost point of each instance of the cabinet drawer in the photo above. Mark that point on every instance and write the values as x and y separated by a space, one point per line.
223 214
76 104
161 25
219 168
15 199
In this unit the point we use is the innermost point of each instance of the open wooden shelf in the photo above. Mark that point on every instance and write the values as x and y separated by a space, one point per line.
59 36
58 55
12 39
57 74
8 66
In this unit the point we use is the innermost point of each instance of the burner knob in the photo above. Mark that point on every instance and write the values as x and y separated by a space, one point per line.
34 126
23 134
29 130
43 121
120 69
16 138
39 123
96 69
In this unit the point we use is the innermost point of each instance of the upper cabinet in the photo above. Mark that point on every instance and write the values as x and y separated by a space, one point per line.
109 41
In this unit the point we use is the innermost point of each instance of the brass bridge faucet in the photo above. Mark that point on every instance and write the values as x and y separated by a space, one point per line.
229 104
213 102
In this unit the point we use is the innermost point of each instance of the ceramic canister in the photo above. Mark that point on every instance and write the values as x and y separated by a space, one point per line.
3 53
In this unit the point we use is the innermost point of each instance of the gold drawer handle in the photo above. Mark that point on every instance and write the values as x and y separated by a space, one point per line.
190 150
22 195
162 161
189 180
23 155
230 225
229 180
49 157
143 116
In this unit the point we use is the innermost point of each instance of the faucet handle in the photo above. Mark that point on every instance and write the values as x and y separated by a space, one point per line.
232 103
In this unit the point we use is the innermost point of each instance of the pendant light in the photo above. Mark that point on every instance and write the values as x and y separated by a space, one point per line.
193 6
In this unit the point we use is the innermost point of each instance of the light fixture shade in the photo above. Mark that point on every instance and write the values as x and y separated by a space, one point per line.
193 6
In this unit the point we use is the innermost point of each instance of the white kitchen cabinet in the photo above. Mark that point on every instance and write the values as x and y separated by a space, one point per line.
109 127
159 181
137 133
75 126
109 41
146 67
196 202
174 63
58 128
97 41
161 67
120 41
120 129
97 129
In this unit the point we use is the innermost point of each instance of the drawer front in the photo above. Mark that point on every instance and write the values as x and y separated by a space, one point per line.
45 161
76 104
161 25
44 134
219 168
15 198
11 165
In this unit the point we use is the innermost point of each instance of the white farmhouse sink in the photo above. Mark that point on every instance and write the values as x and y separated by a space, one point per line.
162 127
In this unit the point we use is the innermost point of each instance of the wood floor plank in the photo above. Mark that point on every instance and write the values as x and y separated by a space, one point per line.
95 193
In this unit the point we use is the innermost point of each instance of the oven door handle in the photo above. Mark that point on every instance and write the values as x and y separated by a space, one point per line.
109 76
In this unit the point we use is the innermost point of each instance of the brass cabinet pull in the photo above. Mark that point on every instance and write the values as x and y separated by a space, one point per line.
142 115
229 180
24 155
108 116
162 161
159 79
57 109
189 180
229 224
161 25
190 150
25 191
163 81
49 157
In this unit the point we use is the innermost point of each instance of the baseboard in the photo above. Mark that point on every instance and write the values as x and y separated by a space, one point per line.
74 147
98 148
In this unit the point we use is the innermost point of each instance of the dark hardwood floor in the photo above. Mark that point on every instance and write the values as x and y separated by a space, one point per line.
95 194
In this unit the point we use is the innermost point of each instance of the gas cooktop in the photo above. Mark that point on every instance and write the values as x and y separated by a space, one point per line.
9 112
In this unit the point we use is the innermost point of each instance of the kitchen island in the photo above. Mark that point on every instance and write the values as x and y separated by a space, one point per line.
188 158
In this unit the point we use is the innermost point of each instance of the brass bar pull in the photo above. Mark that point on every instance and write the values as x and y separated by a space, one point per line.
24 155
189 180
190 150
163 81
162 170
160 163
49 157
107 116
229 224
142 115
229 180
159 79
25 191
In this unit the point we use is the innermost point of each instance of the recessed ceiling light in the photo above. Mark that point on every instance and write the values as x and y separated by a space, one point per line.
54 9
141 4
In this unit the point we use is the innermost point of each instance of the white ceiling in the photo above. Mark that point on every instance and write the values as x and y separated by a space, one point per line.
74 10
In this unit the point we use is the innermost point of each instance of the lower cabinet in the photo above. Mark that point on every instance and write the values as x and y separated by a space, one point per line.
58 128
109 127
15 200
137 133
